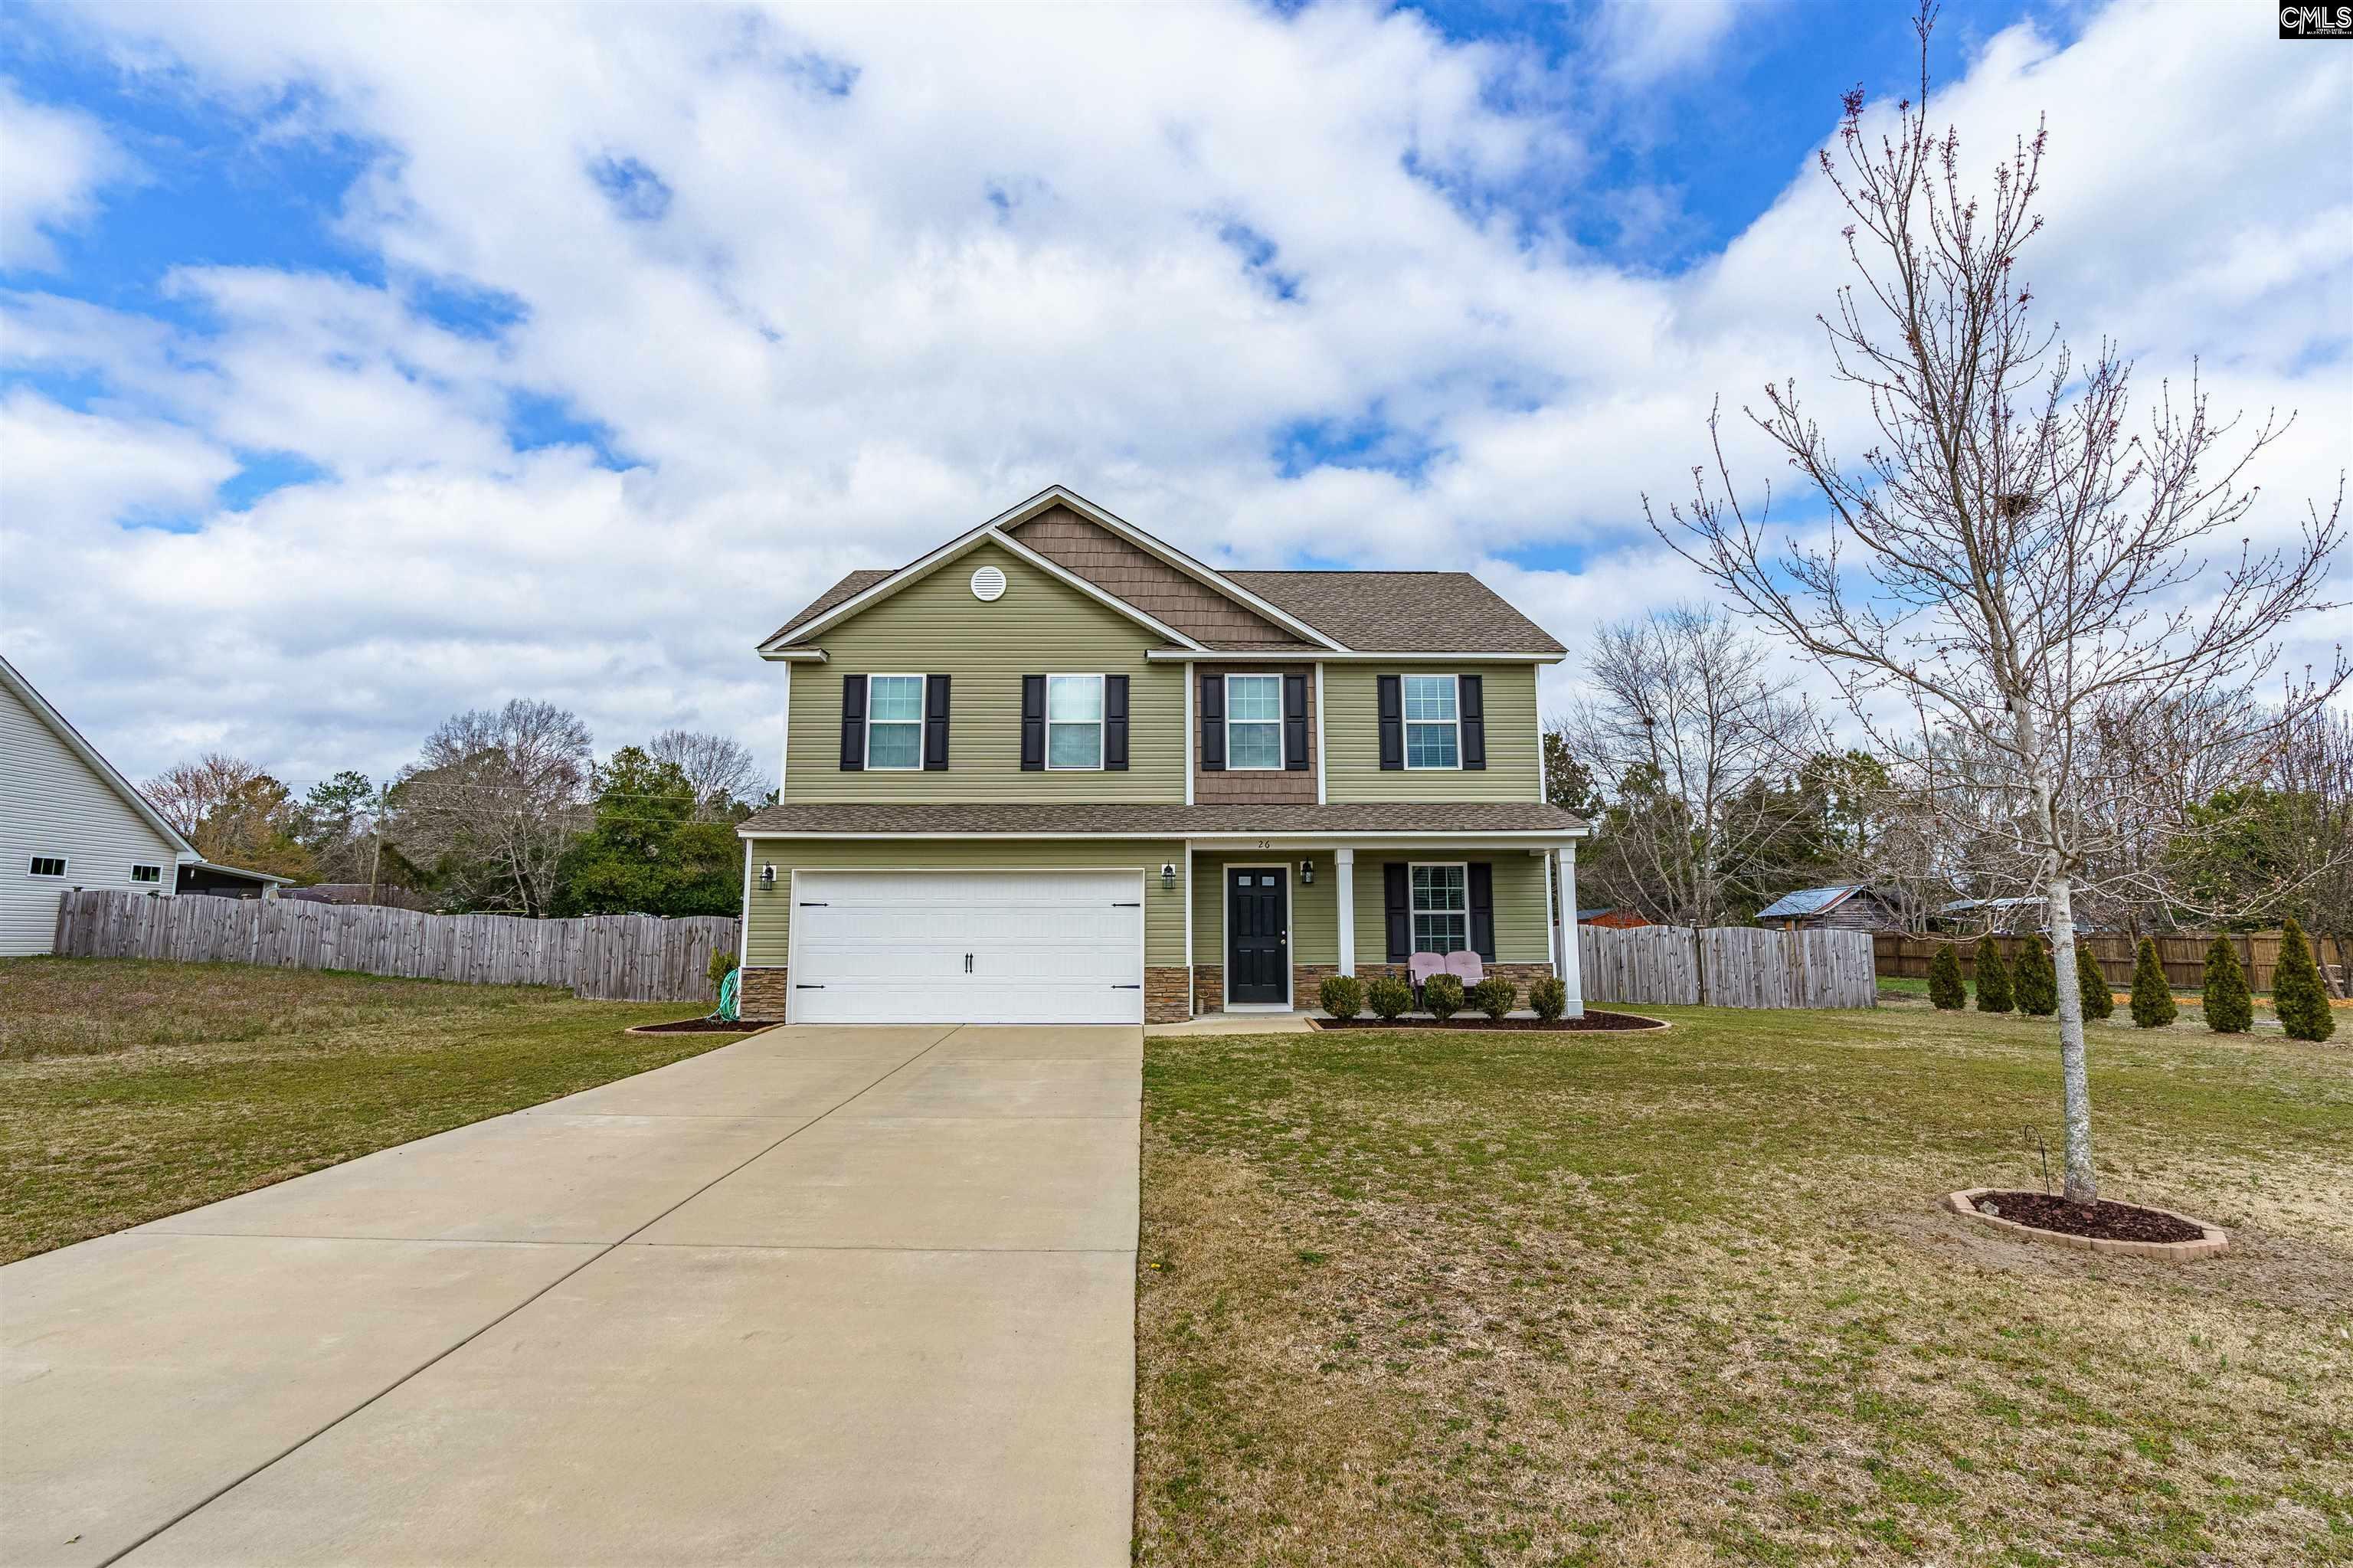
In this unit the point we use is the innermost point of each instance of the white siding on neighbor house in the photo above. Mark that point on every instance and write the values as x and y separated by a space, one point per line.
53 803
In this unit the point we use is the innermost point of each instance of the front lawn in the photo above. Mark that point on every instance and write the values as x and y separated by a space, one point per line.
129 1090
1687 1296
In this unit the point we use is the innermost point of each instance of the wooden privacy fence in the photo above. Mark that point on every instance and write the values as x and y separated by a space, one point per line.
2183 955
1727 966
607 957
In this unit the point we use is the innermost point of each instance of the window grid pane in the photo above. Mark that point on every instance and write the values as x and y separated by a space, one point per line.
1074 745
1440 934
1429 746
1074 698
892 698
894 745
1253 745
1254 697
1430 697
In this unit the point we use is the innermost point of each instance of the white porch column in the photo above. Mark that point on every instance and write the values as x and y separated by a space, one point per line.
1571 961
1344 890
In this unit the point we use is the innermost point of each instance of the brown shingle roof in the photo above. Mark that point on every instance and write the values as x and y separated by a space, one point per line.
885 819
856 583
1402 612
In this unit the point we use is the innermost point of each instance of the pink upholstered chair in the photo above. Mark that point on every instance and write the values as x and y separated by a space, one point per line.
1418 968
1464 966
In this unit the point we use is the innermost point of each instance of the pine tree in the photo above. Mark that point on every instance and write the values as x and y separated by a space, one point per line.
2152 997
1993 979
1945 987
2099 1002
2037 980
2230 1008
2297 994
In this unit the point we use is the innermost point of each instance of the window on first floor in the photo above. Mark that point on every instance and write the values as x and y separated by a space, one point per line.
146 873
1253 721
1074 721
895 721
1441 908
1433 723
47 866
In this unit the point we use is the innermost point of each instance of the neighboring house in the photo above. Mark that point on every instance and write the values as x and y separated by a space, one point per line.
228 881
1059 770
1850 907
67 820
2028 912
1616 918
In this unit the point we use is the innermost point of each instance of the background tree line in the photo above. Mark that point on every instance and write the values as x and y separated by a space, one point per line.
504 811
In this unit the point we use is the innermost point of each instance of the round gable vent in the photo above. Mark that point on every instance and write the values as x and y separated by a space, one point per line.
988 585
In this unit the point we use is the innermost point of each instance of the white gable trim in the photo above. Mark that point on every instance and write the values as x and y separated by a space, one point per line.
986 533
72 738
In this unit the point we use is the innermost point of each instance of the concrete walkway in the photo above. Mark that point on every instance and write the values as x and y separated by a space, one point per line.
823 1295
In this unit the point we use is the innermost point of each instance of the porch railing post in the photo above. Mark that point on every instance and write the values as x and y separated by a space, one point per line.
1343 892
1571 971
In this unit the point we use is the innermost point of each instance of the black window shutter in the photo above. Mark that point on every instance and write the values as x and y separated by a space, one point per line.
936 723
853 724
1393 898
1483 909
1392 724
1115 723
1474 702
1213 723
1295 723
1033 724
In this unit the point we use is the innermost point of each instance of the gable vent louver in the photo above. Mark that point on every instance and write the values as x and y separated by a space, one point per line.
988 584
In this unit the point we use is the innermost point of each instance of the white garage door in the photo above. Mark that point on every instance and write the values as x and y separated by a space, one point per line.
1011 947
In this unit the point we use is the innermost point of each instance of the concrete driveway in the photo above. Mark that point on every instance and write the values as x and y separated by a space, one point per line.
823 1295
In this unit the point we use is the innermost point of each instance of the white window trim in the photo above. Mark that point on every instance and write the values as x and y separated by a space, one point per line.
1276 766
65 867
1412 914
1405 725
1102 719
922 691
140 866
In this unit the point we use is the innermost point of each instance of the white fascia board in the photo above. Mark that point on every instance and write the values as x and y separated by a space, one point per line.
1102 596
62 727
1345 656
793 655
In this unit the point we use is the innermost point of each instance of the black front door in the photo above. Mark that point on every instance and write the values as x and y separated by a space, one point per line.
1258 938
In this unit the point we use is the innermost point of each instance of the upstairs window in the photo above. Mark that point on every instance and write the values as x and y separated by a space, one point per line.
894 722
146 873
1075 722
1253 721
47 866
1441 908
1433 724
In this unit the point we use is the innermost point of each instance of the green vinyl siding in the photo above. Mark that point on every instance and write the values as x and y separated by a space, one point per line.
769 932
1314 930
1522 934
1352 737
1040 626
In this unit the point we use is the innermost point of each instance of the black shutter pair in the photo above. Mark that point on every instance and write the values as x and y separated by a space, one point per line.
1398 902
1470 708
1033 724
853 724
1294 724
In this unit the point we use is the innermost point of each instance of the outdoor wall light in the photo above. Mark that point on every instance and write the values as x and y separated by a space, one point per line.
1306 874
767 879
1167 877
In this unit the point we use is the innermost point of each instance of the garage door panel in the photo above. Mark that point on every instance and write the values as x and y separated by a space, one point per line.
968 947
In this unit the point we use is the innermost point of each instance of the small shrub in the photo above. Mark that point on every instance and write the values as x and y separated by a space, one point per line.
1390 998
1944 986
2296 991
1548 994
1442 996
2230 1008
2152 998
1993 979
1342 996
721 962
1494 996
2036 986
2099 1002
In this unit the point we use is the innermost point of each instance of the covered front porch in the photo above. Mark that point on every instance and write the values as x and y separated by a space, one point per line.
1268 918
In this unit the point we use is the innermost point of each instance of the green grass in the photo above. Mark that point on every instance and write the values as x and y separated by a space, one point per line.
1689 1298
129 1090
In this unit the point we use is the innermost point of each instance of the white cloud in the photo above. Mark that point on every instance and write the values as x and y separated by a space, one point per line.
56 159
1644 41
1021 247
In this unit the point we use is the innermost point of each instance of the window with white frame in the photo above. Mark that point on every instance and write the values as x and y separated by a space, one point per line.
1433 724
146 873
47 865
1441 908
895 721
1074 721
1253 721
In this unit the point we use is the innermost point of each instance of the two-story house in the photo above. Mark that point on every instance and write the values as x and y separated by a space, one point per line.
1059 772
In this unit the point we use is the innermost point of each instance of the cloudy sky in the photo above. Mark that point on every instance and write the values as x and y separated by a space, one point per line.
364 365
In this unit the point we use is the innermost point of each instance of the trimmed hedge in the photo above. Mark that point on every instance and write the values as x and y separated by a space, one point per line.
1548 994
2297 991
1342 996
1494 996
1390 998
1944 986
1442 996
1993 979
2037 981
2229 1008
2092 986
2152 998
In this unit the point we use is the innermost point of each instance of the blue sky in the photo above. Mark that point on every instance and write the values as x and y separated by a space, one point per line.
433 357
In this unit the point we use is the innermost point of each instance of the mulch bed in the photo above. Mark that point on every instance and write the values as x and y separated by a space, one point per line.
699 1026
2103 1220
1591 1020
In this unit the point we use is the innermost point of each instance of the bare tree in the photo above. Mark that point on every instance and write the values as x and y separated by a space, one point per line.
1688 733
493 799
720 769
190 791
2008 561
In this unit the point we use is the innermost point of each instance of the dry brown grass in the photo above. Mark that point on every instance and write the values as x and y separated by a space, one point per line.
1687 1298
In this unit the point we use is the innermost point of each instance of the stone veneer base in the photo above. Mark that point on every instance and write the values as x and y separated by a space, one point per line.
2213 1241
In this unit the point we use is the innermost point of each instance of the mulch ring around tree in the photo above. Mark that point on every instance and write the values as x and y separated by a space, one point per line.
700 1026
2128 1228
1590 1021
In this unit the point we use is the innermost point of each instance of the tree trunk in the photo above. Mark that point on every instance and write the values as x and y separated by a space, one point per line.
2083 1185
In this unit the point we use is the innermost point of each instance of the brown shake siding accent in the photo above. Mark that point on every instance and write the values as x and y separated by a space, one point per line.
1148 583
1234 785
